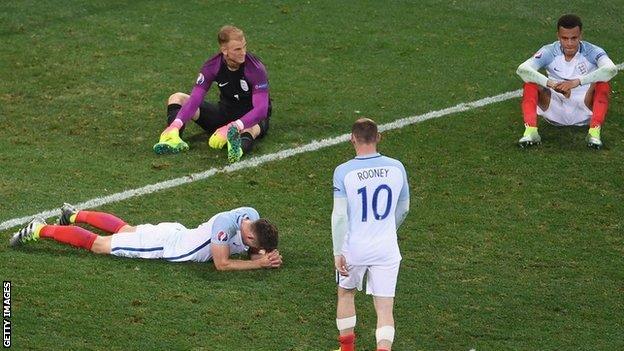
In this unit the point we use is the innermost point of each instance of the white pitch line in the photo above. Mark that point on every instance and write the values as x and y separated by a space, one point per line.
259 160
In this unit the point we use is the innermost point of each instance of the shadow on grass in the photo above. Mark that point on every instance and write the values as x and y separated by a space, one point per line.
568 138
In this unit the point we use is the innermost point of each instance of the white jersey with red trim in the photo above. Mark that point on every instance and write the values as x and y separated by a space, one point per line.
552 58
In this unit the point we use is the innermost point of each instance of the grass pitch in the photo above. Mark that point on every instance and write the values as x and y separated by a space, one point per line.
503 249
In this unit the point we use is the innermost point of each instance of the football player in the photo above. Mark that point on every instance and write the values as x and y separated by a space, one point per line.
371 200
240 230
576 90
244 107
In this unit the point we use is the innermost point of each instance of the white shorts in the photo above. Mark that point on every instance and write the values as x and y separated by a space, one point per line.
567 112
169 241
380 280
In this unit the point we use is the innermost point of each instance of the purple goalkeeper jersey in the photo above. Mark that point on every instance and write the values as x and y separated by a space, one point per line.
244 93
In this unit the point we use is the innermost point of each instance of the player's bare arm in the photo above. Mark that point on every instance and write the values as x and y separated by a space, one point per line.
222 261
274 256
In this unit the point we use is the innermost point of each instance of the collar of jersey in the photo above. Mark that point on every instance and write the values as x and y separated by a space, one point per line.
238 239
579 51
368 156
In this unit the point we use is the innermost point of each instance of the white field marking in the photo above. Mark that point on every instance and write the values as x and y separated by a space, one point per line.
259 160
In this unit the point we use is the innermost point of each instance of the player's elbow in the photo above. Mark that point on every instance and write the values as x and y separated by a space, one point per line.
222 265
522 71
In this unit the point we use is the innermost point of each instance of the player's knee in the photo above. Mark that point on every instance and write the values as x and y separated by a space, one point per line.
602 87
102 245
177 98
530 91
126 228
530 85
345 293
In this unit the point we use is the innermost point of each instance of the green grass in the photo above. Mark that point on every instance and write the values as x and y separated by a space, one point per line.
504 248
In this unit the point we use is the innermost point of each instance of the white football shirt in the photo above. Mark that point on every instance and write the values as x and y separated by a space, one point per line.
372 184
585 61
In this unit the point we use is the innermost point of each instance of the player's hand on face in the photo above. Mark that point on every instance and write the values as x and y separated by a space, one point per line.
340 262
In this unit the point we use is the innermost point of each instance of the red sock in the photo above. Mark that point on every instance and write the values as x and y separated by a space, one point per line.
529 104
347 342
601 104
69 234
105 221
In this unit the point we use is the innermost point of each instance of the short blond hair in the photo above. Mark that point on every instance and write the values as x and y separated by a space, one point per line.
227 33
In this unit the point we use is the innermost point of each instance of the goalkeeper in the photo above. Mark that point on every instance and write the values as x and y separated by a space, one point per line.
242 114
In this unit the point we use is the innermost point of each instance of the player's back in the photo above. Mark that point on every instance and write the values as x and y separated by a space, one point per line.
373 185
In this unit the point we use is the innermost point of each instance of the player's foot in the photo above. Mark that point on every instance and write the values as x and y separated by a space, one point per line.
531 137
170 143
235 151
593 138
67 211
28 233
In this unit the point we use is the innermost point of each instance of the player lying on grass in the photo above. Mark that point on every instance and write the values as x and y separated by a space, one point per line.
576 91
244 107
227 233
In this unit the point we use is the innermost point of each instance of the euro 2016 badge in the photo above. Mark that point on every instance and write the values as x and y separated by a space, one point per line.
222 236
244 85
200 79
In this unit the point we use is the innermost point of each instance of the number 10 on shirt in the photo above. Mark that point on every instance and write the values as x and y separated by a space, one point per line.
375 202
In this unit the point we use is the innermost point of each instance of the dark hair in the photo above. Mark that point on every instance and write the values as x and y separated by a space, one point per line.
365 130
569 21
266 234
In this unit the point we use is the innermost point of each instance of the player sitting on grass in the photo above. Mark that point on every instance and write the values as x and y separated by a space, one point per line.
237 231
576 91
244 107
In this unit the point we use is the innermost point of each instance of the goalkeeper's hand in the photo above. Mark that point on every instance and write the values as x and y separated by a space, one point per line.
219 137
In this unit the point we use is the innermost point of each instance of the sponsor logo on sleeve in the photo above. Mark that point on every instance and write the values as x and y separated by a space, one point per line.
222 236
538 55
600 55
200 79
336 189
262 86
244 85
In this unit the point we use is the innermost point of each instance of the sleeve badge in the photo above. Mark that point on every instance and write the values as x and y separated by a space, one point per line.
200 79
222 236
